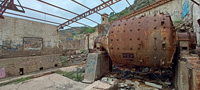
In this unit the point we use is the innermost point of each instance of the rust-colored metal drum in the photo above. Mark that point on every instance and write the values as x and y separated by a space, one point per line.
147 41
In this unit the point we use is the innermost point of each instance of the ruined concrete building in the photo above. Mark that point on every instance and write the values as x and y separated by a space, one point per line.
160 41
27 46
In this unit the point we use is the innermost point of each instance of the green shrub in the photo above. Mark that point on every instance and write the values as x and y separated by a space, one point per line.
21 80
84 51
63 60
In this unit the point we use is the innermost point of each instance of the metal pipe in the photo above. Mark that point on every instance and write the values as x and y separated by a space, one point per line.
64 9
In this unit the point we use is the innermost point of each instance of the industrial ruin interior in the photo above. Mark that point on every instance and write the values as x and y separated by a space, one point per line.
99 44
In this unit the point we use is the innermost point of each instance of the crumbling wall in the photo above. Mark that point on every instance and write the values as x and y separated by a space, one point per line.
19 37
73 44
24 65
187 74
92 38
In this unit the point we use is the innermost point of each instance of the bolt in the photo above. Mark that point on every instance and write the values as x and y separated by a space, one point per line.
155 57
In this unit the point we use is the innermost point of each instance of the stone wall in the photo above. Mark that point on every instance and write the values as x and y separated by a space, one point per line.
19 37
73 44
24 65
92 38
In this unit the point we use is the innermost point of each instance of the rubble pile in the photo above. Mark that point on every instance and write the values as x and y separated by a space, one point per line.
73 57
131 79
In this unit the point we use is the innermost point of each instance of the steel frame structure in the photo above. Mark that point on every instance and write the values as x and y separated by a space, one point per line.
9 4
65 10
89 12
111 8
84 6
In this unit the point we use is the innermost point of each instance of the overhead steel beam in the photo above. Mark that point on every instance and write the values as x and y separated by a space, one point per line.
89 12
195 2
83 5
9 4
130 5
3 8
31 18
51 15
111 8
65 10
38 19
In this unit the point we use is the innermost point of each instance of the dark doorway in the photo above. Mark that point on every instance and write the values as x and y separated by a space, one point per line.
41 68
21 71
56 65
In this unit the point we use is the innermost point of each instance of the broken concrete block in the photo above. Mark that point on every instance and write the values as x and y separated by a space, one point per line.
97 65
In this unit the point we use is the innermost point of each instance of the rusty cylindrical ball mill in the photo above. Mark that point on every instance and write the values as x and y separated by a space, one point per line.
147 41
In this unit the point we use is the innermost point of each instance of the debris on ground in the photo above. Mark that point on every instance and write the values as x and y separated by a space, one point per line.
132 79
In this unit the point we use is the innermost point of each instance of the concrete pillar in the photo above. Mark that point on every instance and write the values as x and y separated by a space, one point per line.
97 65
182 74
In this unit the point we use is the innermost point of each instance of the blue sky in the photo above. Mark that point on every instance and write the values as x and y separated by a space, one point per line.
69 5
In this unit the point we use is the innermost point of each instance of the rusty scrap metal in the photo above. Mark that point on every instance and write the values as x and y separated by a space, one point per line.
187 36
147 41
87 13
147 8
9 4
66 10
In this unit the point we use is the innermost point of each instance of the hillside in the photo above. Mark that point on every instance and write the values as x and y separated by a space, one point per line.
138 4
75 32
